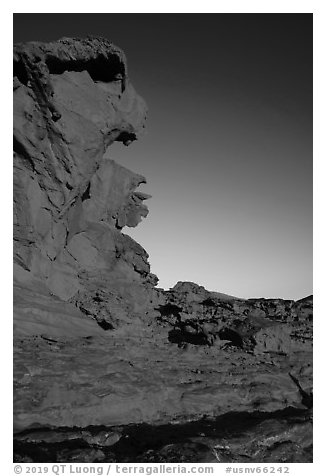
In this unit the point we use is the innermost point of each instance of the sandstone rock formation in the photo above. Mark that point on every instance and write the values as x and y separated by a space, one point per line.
108 367
72 99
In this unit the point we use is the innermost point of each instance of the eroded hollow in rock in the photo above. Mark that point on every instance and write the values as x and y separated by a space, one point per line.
101 68
168 310
107 326
20 72
232 336
86 195
104 68
181 336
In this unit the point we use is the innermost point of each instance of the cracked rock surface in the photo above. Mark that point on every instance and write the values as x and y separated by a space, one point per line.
107 366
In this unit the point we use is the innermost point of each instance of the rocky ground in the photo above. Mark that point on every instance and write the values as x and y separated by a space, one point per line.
142 396
107 366
283 437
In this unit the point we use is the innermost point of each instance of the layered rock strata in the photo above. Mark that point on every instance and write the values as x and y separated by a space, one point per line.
101 355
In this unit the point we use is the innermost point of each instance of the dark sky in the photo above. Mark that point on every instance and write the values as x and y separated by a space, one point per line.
228 154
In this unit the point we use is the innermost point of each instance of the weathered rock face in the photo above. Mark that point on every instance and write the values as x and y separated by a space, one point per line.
100 353
72 99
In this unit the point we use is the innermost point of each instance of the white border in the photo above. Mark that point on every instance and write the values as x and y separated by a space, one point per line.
235 6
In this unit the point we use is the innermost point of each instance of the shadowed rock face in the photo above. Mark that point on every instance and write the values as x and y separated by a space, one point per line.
100 353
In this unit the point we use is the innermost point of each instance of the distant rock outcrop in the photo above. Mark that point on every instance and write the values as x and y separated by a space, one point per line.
97 345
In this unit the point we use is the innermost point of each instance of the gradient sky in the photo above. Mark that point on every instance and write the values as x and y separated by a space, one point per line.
228 153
